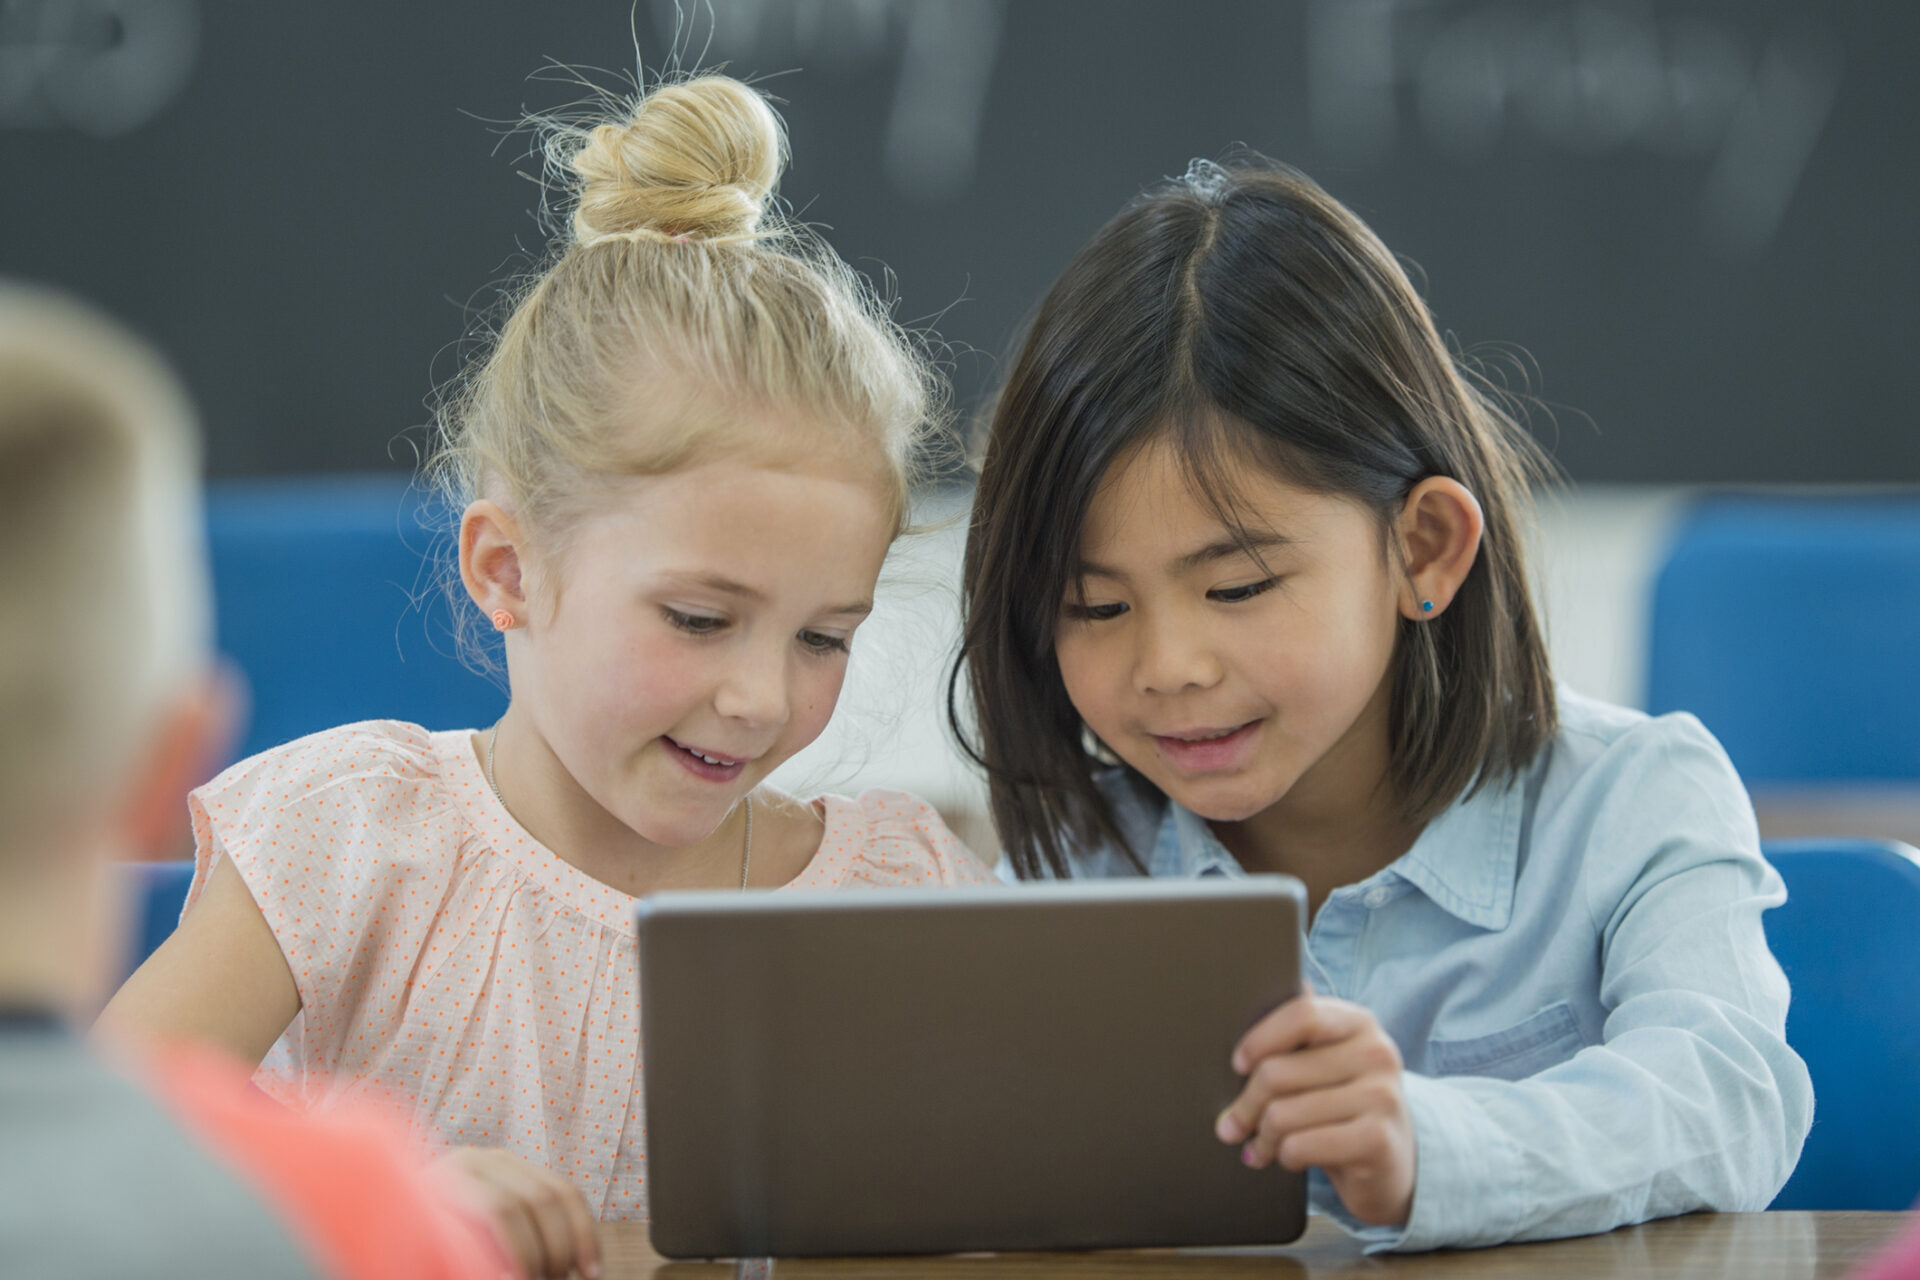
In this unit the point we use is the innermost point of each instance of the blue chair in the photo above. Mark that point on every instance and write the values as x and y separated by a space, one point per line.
158 891
327 600
1849 940
1791 627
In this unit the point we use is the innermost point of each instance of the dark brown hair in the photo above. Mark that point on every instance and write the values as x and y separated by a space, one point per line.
1247 315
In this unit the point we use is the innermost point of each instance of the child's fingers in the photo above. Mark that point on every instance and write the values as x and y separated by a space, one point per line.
1356 1140
1301 1021
586 1232
1319 1067
1286 1028
544 1241
566 1225
1316 1109
485 1178
522 1237
1369 1159
1281 1076
543 1217
560 1216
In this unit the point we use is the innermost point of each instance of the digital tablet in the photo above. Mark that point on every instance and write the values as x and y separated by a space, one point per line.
925 1071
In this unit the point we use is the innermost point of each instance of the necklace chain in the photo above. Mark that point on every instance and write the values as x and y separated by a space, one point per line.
746 847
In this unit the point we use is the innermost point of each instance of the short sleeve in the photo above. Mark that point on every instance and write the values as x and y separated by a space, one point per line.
889 839
332 835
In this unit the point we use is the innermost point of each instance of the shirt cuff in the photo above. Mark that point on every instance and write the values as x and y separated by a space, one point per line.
1323 1199
1460 1161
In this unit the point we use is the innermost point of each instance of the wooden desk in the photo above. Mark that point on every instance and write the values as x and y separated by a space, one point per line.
1733 1246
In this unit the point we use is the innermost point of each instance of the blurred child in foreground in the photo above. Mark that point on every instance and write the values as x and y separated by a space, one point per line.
151 1160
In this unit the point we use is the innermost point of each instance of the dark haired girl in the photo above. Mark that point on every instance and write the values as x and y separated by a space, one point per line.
1246 593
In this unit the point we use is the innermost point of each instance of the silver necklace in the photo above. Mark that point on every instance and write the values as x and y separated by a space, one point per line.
746 849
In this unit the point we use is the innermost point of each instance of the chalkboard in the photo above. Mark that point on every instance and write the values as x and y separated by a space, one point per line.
1692 223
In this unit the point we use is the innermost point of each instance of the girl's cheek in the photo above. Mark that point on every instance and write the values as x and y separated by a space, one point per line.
815 697
657 674
1075 658
1093 680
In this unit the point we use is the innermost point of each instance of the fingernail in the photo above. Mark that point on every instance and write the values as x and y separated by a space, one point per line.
592 1271
1226 1128
1249 1157
1239 1063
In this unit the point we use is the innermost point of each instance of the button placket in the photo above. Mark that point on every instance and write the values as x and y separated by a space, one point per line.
1331 943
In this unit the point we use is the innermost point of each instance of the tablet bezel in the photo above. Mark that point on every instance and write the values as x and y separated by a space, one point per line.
776 1028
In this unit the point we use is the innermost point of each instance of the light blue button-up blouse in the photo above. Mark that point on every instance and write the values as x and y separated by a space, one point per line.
1574 970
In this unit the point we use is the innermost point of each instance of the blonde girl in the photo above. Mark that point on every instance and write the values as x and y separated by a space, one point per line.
681 465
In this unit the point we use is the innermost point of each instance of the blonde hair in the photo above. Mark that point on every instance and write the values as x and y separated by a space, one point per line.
676 292
100 556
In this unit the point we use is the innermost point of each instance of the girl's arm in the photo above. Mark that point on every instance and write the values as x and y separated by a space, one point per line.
1693 1099
222 979
219 979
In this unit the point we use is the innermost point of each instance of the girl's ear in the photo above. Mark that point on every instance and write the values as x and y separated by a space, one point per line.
490 560
1439 530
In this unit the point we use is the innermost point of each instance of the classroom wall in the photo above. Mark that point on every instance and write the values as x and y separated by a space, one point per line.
1686 223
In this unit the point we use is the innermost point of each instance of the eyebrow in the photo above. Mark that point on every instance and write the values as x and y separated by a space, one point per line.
1224 548
727 586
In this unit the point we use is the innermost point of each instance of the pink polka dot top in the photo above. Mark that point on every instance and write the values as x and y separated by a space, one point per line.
450 965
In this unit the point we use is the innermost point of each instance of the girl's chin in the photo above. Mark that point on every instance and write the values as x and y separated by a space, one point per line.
676 835
671 826
1223 803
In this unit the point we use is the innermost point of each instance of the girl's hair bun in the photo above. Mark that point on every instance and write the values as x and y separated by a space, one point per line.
698 159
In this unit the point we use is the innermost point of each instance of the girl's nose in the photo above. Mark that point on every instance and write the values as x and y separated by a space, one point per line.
755 692
1173 655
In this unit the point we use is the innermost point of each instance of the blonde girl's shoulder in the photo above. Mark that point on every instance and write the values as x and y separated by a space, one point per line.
364 749
351 824
385 772
884 838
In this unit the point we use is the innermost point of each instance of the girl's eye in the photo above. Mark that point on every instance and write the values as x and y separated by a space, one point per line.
820 644
1094 612
698 624
1236 595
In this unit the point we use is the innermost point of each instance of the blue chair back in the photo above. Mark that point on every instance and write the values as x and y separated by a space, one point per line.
1791 627
315 587
1849 940
158 891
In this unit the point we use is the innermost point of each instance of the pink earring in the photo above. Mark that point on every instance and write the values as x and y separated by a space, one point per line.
502 620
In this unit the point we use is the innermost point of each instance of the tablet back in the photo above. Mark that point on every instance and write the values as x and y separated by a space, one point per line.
916 1071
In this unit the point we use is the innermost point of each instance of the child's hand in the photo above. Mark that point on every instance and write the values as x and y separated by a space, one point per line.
1323 1088
542 1217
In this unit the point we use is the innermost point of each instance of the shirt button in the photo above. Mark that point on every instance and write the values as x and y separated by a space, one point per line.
1376 897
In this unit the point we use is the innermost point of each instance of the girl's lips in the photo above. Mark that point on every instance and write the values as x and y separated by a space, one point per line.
695 762
1208 755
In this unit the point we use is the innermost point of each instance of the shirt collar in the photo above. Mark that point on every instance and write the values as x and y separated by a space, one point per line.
1468 856
1465 860
1185 846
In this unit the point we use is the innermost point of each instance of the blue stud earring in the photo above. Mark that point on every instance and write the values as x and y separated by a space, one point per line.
1426 606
